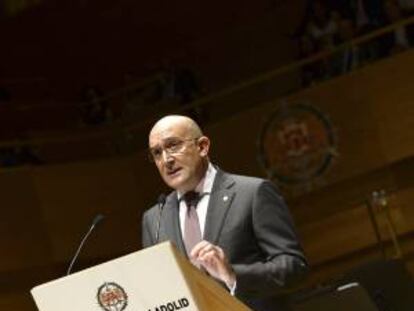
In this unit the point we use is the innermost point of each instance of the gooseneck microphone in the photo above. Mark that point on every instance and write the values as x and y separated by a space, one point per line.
161 203
98 218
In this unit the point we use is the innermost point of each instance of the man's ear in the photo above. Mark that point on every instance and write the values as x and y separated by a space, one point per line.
204 145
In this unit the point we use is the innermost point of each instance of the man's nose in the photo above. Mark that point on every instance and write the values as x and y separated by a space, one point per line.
166 156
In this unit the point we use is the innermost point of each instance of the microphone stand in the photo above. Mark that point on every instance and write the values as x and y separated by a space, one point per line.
96 220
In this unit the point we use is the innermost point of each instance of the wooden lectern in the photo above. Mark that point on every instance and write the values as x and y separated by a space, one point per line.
158 278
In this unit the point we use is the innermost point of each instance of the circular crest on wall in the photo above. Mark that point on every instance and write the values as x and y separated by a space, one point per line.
296 144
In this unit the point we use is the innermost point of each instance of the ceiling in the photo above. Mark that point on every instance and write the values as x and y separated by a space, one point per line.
52 49
73 42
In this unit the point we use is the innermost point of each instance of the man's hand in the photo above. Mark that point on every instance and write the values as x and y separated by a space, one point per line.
214 261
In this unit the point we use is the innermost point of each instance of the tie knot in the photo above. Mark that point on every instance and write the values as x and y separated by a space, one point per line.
191 198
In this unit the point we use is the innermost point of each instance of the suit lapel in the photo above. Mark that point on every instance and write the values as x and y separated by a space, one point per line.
219 204
172 222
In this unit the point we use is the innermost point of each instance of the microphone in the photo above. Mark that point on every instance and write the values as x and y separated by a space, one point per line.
161 203
98 218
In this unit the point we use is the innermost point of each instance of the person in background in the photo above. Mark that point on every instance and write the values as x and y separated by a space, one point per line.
399 39
94 107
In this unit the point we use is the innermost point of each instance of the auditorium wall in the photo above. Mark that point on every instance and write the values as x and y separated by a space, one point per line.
47 209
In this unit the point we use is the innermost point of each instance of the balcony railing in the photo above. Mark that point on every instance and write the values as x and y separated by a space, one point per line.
128 130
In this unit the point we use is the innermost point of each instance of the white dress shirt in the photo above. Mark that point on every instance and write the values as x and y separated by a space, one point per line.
203 188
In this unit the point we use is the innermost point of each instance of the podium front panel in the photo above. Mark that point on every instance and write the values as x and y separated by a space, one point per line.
149 280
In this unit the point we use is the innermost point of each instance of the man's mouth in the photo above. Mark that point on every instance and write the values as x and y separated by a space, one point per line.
173 172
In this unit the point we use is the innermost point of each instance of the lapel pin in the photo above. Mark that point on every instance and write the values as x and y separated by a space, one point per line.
225 198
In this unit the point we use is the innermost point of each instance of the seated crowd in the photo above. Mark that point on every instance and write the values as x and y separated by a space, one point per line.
328 23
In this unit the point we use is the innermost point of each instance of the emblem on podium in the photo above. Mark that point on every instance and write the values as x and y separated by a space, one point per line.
112 297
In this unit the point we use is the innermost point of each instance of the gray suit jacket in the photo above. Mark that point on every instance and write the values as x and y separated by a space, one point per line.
248 219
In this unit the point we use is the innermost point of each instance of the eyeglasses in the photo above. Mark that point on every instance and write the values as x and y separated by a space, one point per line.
171 146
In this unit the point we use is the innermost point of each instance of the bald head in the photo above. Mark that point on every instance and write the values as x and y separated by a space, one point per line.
184 125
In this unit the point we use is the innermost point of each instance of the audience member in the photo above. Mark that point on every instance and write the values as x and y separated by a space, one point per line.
322 27
28 155
398 40
368 14
19 155
8 157
341 9
318 33
346 59
94 107
407 6
311 72
135 97
179 85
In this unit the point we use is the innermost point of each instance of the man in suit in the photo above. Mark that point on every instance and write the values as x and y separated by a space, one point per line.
238 229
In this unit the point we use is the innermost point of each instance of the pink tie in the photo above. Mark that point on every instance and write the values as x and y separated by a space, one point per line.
192 231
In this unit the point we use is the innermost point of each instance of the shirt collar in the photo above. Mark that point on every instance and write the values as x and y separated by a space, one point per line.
206 183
